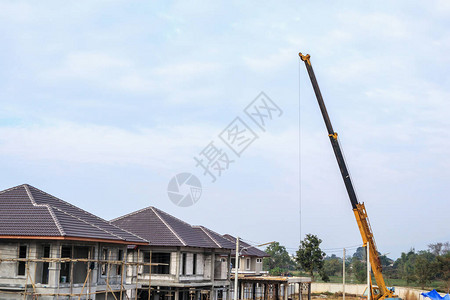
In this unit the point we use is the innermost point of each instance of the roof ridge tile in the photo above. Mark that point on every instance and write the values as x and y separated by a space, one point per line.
131 214
13 188
65 202
49 208
167 225
186 223
93 225
209 235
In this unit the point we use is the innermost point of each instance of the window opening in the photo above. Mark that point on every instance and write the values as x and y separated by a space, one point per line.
64 272
194 264
21 264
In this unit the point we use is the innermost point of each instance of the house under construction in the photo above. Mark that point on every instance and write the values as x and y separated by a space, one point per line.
50 249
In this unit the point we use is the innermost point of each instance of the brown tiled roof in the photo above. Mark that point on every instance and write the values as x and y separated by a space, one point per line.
218 238
26 211
162 229
245 248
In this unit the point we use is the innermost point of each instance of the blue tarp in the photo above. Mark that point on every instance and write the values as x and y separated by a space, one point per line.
435 295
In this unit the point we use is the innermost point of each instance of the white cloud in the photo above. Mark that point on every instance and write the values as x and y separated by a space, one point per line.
105 70
98 68
16 11
87 64
269 62
385 25
188 70
158 148
442 7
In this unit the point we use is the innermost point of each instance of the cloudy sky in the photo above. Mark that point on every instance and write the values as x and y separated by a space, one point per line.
102 103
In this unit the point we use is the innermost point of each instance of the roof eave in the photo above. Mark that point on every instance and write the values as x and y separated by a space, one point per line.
70 238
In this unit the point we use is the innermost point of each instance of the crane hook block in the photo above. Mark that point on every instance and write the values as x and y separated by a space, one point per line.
305 58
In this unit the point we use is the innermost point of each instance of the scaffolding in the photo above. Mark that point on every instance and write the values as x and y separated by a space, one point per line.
133 284
273 288
33 290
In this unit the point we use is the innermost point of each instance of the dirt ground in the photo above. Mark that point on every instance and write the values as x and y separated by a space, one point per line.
334 297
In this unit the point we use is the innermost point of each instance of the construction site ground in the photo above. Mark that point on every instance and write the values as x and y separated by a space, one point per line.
334 296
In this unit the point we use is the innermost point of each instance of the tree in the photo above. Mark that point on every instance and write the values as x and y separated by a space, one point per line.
332 265
359 269
348 267
405 266
388 266
309 255
424 268
439 248
385 261
443 269
360 253
279 261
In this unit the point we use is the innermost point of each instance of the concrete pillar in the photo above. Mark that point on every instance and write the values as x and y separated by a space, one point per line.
213 262
286 291
177 294
229 267
177 273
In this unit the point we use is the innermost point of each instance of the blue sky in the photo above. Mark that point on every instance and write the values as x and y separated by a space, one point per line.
102 103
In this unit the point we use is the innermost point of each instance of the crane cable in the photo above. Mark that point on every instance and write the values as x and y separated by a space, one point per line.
299 156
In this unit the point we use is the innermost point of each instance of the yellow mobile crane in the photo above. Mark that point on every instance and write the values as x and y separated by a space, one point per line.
382 291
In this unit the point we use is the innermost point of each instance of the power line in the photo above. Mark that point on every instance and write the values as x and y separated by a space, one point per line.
340 248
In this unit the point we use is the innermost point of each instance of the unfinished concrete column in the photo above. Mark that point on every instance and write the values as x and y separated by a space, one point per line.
177 265
286 291
229 267
213 261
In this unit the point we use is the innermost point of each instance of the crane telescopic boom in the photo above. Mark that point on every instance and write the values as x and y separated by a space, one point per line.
358 208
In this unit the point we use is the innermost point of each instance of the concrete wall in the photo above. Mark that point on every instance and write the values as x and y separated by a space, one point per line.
255 267
258 265
358 289
10 279
203 265
319 287
207 266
